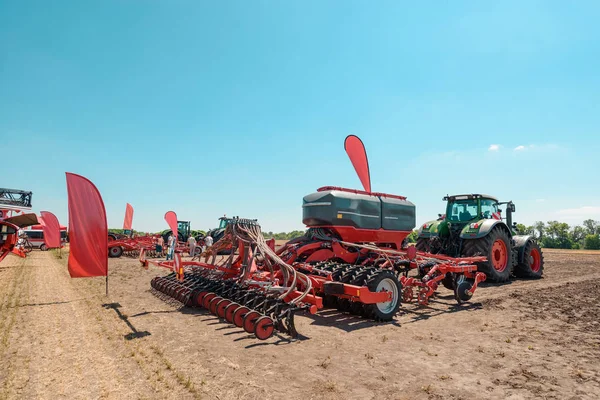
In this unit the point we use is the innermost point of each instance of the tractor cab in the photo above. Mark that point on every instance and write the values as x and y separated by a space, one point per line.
223 222
465 208
184 227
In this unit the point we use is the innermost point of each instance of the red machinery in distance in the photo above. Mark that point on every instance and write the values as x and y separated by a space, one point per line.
13 204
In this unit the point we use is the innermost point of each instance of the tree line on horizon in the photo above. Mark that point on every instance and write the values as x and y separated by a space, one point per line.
551 234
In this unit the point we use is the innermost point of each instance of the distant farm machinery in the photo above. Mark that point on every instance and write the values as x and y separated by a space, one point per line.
13 204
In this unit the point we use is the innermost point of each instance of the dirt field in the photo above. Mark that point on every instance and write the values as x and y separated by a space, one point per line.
62 338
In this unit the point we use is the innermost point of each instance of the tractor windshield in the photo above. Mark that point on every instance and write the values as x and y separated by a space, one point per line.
462 210
222 223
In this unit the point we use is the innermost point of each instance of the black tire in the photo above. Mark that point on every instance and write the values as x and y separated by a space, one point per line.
384 311
115 252
43 247
112 237
484 247
448 281
422 244
532 265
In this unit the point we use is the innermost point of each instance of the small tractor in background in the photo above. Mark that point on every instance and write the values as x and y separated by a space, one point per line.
185 231
473 226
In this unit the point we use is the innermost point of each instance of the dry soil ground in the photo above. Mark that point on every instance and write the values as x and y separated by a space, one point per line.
62 338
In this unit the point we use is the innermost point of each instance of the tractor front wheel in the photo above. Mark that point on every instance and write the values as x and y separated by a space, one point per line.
498 251
532 265
422 244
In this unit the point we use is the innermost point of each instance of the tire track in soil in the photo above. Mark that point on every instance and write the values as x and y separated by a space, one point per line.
64 343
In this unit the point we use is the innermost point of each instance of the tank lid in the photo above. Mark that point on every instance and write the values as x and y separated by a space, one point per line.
355 191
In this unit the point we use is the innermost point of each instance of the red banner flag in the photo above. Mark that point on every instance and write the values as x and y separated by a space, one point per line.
51 229
88 230
358 156
128 217
171 219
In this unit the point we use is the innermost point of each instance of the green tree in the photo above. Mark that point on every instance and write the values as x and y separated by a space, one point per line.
592 242
540 227
525 230
557 235
577 234
412 237
591 226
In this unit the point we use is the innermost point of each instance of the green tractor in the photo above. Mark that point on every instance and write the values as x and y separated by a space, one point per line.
184 233
217 233
473 226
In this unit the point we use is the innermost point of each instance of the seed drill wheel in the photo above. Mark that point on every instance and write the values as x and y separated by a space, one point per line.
250 321
230 310
462 286
263 328
43 247
213 304
221 305
200 298
498 251
206 300
115 251
238 316
387 281
532 266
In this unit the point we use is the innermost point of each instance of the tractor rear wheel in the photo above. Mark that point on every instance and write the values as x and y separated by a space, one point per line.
115 251
498 251
532 266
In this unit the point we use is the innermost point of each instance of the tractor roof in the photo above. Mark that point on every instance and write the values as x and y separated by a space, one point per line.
469 197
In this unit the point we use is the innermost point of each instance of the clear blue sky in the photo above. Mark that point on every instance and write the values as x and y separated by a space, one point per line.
241 107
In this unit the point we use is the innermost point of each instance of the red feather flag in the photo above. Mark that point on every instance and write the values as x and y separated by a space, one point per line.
51 229
88 230
171 219
128 217
358 156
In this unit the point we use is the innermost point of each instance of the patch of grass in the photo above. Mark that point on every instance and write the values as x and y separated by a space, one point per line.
384 339
530 347
444 377
508 340
427 389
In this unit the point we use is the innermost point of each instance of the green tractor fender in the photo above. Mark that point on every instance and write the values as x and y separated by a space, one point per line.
481 228
432 229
